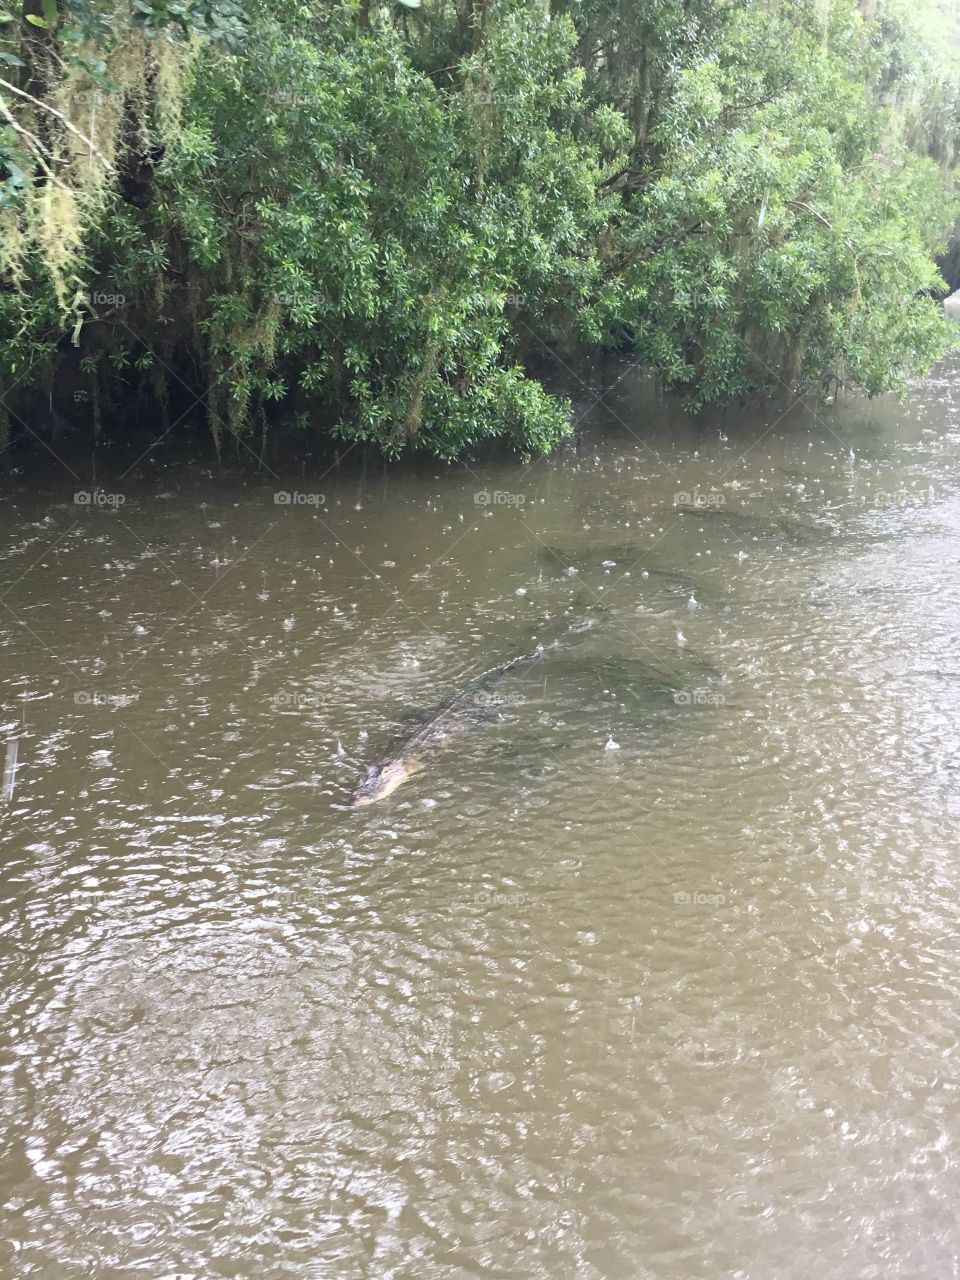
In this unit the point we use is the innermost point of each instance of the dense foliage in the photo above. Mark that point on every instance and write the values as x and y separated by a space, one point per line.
365 219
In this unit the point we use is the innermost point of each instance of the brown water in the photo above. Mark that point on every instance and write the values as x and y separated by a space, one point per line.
651 975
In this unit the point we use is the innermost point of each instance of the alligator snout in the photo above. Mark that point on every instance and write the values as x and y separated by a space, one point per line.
381 780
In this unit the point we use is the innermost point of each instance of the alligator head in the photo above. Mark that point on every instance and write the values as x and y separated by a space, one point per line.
382 780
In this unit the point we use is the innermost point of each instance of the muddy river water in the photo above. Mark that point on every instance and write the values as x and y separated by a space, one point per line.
652 972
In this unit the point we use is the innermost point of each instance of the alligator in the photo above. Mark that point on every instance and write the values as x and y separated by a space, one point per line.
636 559
761 527
411 752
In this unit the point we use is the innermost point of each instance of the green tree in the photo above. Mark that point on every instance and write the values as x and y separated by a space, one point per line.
365 218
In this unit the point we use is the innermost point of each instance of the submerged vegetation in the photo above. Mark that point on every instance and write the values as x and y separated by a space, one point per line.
365 221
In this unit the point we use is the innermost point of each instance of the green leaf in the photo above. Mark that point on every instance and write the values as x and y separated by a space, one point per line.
17 177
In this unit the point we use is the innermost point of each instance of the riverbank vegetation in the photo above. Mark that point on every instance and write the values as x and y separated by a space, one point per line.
365 221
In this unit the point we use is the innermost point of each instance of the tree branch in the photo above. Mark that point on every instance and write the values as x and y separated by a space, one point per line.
45 106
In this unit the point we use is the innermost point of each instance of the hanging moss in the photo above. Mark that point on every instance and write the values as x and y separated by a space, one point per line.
112 103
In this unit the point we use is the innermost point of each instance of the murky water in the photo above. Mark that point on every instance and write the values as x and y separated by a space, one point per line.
652 973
